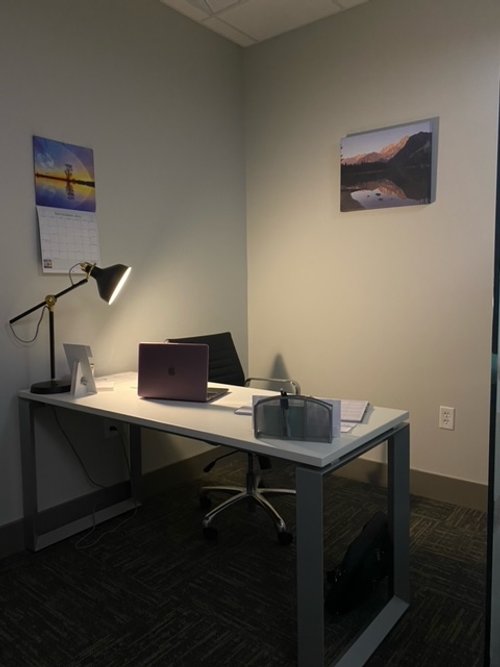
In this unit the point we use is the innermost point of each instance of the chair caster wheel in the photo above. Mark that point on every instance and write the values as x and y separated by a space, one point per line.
210 533
205 502
285 538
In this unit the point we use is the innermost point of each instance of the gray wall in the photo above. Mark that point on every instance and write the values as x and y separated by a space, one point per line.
393 305
159 99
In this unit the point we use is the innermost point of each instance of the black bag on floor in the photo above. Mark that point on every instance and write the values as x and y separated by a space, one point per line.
366 562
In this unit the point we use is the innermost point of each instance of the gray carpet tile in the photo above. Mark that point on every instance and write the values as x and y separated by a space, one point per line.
150 591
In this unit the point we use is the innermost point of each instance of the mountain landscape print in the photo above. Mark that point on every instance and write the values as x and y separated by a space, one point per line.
388 167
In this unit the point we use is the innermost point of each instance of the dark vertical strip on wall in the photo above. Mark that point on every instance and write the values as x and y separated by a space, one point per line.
493 420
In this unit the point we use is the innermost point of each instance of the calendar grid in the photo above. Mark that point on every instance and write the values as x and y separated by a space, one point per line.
67 238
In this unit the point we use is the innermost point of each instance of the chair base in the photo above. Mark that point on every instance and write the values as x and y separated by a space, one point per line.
253 494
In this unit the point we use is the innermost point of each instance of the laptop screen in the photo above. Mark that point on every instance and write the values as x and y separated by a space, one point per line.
174 371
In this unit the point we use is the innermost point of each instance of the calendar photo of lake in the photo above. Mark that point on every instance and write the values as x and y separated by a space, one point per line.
64 175
388 167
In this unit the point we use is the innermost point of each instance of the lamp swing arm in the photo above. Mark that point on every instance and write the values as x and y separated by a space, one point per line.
50 300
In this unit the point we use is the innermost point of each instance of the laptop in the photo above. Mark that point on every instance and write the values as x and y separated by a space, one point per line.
175 371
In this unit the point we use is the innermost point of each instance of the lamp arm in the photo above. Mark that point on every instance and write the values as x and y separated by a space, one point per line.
49 301
83 281
28 312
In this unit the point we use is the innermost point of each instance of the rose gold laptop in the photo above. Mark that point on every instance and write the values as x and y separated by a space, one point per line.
175 371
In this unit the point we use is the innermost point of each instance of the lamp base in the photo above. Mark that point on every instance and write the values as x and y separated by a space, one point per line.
50 387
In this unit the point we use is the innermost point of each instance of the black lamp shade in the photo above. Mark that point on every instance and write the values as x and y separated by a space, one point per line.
110 280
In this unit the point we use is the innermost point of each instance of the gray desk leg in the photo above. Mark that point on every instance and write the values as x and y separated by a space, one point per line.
33 539
398 463
309 536
399 517
135 462
28 465
310 611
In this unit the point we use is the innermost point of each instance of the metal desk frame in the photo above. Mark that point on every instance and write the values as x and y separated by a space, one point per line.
309 513
310 566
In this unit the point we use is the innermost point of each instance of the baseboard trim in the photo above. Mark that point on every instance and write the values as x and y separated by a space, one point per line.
429 485
426 484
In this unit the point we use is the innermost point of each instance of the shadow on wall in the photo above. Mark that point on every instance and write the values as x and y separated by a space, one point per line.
279 369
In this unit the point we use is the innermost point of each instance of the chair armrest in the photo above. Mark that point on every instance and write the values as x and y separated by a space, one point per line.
280 381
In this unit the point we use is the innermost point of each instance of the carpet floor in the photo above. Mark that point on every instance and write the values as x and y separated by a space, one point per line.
147 590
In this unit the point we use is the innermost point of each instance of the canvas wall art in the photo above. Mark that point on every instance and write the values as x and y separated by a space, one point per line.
393 166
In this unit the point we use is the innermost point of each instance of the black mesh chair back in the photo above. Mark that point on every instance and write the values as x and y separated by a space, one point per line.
224 364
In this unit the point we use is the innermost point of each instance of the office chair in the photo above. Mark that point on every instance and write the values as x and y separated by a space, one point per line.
224 366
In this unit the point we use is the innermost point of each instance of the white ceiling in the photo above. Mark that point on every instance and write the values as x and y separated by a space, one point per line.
247 22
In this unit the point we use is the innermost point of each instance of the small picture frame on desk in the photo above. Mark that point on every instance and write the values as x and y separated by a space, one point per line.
82 375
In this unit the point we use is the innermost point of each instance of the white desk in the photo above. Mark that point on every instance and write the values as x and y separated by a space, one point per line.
217 423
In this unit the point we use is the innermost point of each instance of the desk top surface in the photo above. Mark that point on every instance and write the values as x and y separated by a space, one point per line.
217 421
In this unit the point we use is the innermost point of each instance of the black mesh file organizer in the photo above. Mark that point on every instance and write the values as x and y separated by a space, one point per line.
293 417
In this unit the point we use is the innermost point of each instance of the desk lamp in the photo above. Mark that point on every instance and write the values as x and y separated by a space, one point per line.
109 283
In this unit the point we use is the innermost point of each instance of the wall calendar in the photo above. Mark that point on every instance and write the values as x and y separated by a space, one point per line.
66 204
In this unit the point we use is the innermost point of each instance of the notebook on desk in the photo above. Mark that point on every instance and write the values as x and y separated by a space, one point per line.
353 410
175 371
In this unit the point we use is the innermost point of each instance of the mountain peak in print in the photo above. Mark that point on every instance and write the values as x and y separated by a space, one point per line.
409 150
384 155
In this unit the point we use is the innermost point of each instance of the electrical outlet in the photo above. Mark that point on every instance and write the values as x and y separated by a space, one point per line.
111 428
447 417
